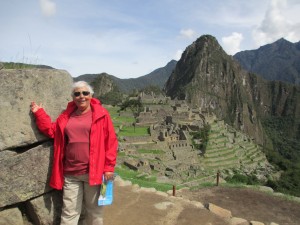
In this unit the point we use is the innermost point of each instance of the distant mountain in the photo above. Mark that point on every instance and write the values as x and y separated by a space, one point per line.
88 77
156 78
277 61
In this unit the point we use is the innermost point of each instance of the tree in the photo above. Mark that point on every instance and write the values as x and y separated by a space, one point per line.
111 98
135 106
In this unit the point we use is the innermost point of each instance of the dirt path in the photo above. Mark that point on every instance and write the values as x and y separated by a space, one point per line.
134 206
249 204
137 207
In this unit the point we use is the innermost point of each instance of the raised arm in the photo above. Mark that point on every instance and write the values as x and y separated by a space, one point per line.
43 120
35 107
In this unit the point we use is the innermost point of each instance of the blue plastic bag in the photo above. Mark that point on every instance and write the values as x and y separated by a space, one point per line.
106 193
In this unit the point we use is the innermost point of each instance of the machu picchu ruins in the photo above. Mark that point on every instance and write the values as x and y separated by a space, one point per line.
171 150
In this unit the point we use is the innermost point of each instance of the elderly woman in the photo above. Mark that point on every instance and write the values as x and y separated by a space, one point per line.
85 149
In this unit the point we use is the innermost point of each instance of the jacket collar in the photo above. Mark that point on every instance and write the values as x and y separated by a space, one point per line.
97 109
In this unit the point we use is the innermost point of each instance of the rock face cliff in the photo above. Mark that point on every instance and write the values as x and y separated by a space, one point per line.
25 154
210 79
103 84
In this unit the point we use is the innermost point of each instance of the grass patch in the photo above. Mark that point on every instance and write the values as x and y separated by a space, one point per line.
121 154
12 65
117 119
213 184
243 179
131 131
124 119
143 180
113 111
203 185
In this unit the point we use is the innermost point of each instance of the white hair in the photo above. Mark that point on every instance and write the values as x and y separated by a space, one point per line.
80 84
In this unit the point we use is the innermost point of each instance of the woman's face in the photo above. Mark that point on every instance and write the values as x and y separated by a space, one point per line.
82 98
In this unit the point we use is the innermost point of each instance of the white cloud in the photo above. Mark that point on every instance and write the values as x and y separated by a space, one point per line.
187 33
83 39
276 25
232 43
178 54
48 7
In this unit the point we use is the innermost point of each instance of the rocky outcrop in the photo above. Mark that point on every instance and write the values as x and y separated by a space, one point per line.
45 209
25 175
26 154
11 217
224 213
103 84
19 88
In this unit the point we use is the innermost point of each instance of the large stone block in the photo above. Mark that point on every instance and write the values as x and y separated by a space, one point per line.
11 216
18 88
25 175
224 213
46 209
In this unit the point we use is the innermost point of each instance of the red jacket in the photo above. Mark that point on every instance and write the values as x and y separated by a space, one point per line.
103 142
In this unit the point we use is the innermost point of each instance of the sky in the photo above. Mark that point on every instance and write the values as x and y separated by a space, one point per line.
131 38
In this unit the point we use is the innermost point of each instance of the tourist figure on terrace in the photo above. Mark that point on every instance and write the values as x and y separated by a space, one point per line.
85 150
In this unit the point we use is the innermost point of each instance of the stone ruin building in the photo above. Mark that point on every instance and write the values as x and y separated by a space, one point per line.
153 98
169 131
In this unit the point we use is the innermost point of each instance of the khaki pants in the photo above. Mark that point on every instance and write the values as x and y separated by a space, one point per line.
78 194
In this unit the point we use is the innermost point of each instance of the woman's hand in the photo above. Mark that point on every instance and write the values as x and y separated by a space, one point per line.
108 176
35 107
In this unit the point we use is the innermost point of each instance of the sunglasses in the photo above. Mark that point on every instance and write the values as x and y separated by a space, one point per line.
84 93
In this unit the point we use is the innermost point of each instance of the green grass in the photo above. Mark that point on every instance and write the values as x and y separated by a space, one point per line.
118 120
124 119
131 131
213 184
203 185
141 179
113 111
12 65
121 154
151 151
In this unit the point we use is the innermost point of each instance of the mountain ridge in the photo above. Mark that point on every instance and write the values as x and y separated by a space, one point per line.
156 78
276 61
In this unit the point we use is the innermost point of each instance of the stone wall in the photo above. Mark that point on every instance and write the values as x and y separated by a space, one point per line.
26 154
137 139
180 144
